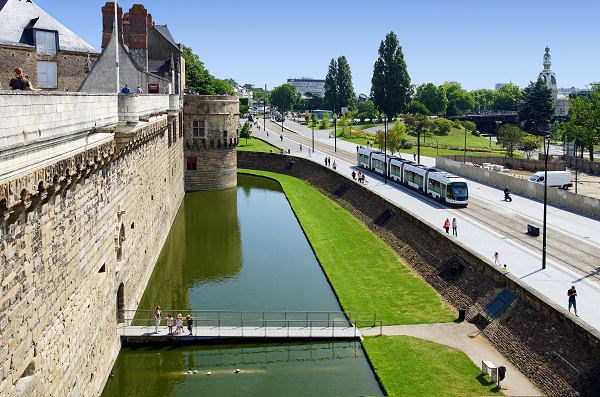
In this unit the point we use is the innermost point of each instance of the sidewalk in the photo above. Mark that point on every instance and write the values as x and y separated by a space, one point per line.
466 337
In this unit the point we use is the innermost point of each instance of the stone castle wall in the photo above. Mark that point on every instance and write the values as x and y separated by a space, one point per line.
211 156
68 262
535 334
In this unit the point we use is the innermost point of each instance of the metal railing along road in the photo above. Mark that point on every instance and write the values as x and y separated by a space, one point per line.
216 320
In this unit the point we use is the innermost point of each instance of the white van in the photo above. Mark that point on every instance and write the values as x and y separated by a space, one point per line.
559 179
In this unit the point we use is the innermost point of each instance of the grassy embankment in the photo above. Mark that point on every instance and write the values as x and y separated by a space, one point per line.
367 276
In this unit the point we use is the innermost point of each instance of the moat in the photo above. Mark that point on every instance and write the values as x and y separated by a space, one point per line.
240 249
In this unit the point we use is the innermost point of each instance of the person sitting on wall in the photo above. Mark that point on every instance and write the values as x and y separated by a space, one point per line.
126 90
19 82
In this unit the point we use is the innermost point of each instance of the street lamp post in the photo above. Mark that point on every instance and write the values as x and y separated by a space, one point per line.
465 152
265 110
546 153
437 146
385 149
335 132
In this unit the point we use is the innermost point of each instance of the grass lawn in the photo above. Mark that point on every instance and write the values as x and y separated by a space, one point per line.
365 273
256 145
409 366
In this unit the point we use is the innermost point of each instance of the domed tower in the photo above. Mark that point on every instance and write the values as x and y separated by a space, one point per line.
548 75
211 137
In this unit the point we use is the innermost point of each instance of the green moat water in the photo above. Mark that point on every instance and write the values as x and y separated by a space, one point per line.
240 249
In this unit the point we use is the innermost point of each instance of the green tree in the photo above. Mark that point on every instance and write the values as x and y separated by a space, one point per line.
433 97
459 100
416 107
284 97
509 136
331 97
324 121
366 110
583 126
529 144
483 99
339 91
390 84
507 97
469 126
246 131
536 109
345 89
313 101
244 107
259 94
442 126
389 140
231 82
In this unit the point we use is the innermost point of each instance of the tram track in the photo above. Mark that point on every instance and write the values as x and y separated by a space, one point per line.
579 256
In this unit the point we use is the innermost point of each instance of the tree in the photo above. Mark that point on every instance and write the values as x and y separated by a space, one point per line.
509 136
536 109
442 126
507 97
346 95
313 101
583 126
366 110
483 99
459 100
416 107
246 131
331 97
433 97
390 84
284 97
338 86
529 144
244 107
389 140
231 82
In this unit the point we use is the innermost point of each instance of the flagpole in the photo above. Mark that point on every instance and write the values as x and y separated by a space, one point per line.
116 34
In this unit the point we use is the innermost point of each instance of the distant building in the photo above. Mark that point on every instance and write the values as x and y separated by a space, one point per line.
55 58
243 92
304 85
362 98
548 76
148 55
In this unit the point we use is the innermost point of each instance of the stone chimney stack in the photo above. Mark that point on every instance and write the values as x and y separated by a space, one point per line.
108 22
137 34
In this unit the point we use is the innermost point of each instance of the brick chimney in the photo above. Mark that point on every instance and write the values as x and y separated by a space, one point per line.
108 22
136 36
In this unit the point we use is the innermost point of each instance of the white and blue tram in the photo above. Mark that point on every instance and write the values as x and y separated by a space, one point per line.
437 184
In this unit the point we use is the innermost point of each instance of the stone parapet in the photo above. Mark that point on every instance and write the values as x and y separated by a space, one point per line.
136 107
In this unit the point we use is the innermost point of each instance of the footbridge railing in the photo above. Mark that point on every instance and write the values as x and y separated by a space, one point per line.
247 324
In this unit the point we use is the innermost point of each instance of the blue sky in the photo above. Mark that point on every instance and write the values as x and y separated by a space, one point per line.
476 43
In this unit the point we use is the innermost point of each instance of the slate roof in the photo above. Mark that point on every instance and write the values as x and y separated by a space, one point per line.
17 17
158 67
164 31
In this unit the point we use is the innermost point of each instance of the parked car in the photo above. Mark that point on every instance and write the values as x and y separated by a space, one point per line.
559 179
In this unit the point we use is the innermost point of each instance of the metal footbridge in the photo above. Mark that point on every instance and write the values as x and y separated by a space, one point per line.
139 326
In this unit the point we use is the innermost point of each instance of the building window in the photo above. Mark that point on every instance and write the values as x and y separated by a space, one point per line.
45 42
191 163
47 74
198 128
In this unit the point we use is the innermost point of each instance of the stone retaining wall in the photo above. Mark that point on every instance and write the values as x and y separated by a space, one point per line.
536 335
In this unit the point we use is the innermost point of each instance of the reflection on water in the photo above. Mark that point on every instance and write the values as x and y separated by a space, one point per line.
240 249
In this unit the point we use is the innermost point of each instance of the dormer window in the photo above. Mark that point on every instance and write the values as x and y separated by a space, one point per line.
45 42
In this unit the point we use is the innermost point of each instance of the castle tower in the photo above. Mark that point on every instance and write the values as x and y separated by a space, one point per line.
211 133
548 76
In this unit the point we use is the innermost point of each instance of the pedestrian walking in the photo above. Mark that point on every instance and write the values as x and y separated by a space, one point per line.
309 151
157 319
415 156
572 293
356 148
496 258
454 227
300 147
179 324
325 161
447 226
334 164
170 323
353 175
281 138
190 324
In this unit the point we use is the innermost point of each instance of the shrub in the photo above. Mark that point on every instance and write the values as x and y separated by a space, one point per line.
408 145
